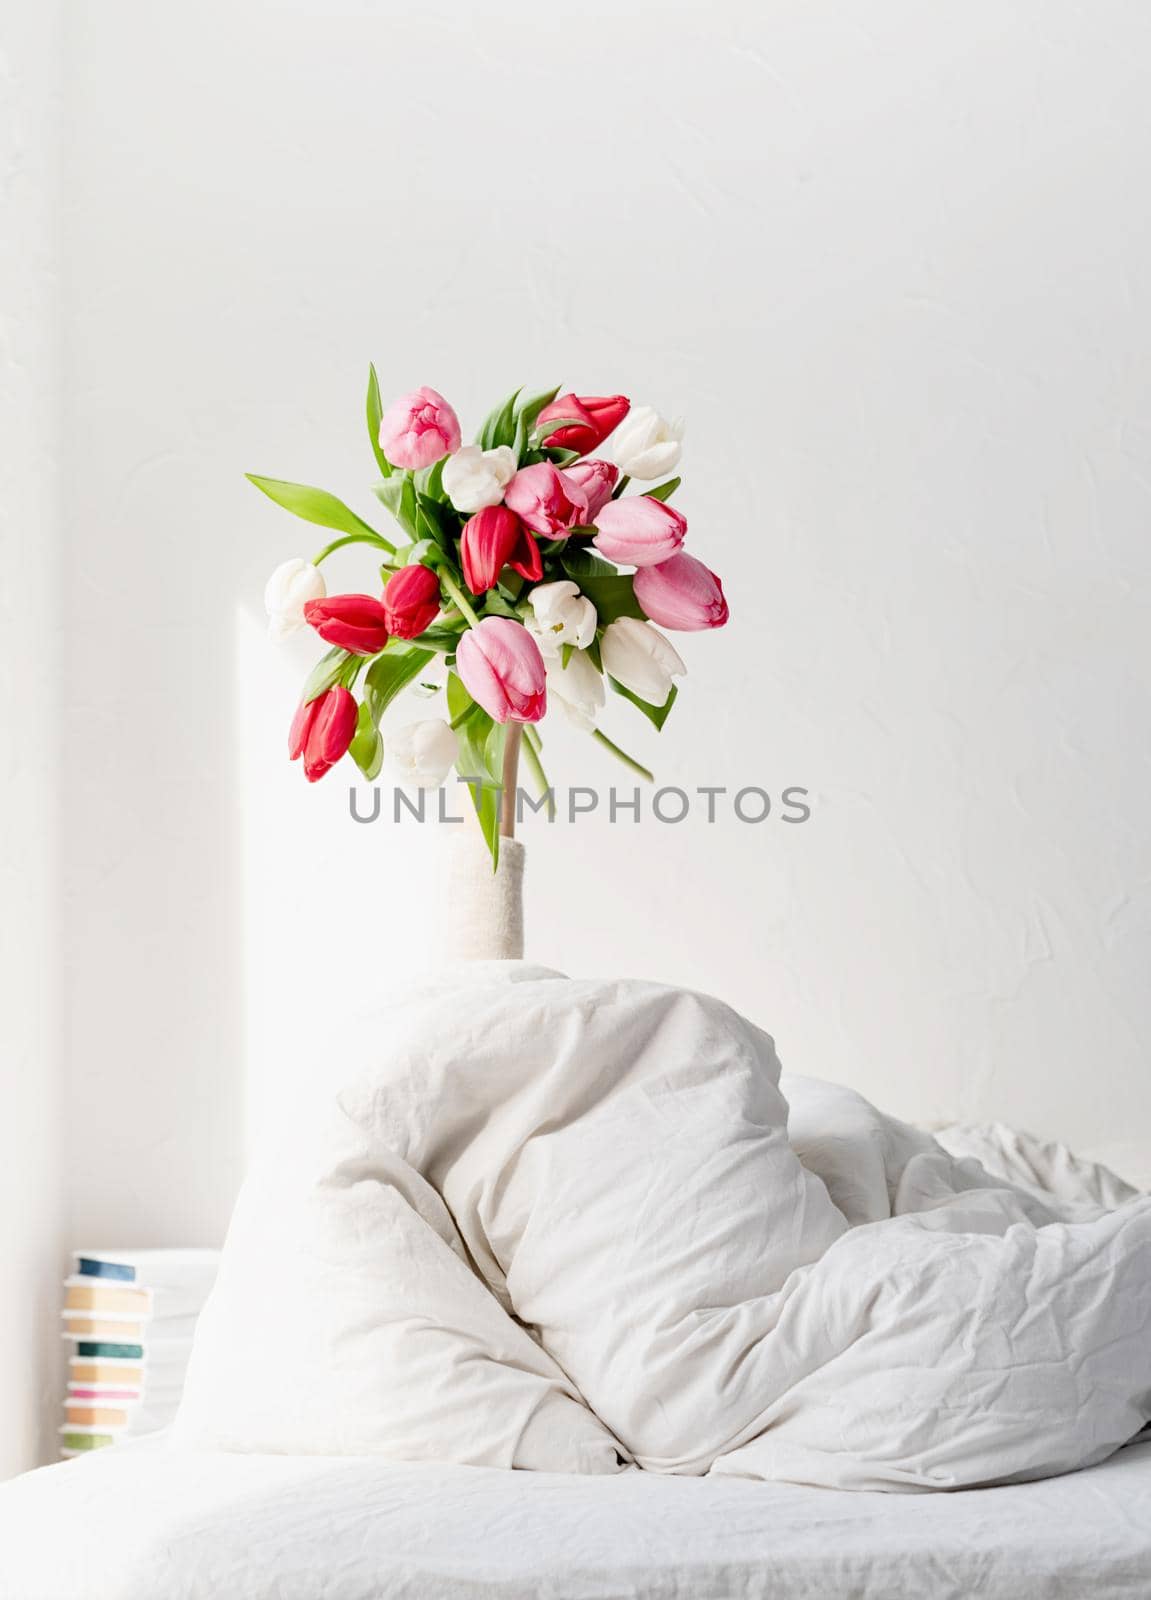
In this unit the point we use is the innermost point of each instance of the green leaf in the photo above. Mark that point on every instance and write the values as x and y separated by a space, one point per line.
473 728
496 606
595 655
430 480
326 672
367 748
423 552
545 430
499 426
314 505
559 457
612 596
437 522
399 495
566 653
375 413
528 410
579 563
444 640
494 752
665 490
390 672
655 714
487 803
526 414
486 796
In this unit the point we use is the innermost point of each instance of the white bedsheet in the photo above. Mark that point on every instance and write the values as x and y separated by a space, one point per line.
151 1523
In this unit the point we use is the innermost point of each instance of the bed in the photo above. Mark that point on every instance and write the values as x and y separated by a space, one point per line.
395 1328
151 1522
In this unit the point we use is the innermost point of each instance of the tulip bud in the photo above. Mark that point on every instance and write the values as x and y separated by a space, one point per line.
560 615
419 428
577 688
493 539
423 752
595 416
354 622
639 530
411 601
646 446
322 730
681 593
638 656
475 478
287 592
597 479
547 499
500 666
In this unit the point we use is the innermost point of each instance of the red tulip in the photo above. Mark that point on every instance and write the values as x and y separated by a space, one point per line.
322 730
411 601
502 669
595 417
355 622
493 539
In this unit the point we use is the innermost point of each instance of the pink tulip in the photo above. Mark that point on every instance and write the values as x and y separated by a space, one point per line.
597 479
546 499
639 531
593 418
501 667
681 593
419 428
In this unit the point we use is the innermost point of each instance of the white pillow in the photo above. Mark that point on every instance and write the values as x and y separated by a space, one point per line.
347 1318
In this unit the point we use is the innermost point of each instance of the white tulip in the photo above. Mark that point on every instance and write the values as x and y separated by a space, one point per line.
646 445
287 592
423 752
475 478
577 688
560 615
641 658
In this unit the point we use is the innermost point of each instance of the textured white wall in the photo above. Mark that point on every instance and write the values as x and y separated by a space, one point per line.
893 262
29 725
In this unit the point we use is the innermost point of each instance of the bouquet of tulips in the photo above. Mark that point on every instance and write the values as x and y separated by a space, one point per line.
526 568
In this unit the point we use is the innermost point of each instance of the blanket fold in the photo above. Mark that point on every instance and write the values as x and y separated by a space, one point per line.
565 1225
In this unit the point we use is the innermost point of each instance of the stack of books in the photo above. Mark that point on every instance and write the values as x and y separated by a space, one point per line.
129 1317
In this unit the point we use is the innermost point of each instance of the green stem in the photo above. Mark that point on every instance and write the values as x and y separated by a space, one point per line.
354 538
459 597
535 767
622 755
620 487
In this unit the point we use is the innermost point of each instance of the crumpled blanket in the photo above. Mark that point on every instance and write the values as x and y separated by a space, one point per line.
571 1225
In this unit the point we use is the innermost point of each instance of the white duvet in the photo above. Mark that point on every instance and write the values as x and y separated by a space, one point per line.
562 1225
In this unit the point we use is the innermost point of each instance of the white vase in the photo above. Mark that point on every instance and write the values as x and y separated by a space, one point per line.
482 911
